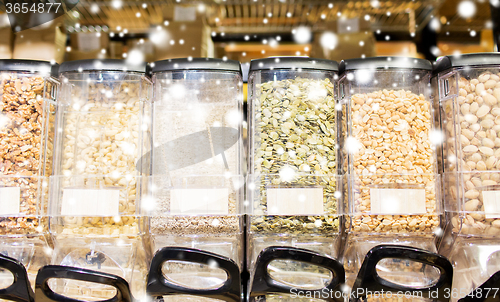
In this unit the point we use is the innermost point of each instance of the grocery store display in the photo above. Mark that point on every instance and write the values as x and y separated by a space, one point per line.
468 90
471 145
198 190
27 114
389 147
102 153
297 133
390 159
115 174
104 120
27 93
394 128
197 162
293 187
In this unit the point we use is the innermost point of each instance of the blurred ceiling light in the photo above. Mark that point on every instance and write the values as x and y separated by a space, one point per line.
117 4
94 8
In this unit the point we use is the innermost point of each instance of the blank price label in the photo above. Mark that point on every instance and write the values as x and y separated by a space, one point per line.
294 201
491 202
90 202
199 201
397 201
10 200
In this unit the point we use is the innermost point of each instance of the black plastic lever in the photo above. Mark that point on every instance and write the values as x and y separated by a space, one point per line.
368 279
263 283
20 290
43 293
158 285
487 292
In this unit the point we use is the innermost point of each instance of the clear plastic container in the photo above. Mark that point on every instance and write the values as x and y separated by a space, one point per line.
198 184
293 186
389 155
474 260
25 201
28 92
104 129
469 94
28 101
467 88
92 229
103 146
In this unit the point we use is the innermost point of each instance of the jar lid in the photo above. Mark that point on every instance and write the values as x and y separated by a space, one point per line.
101 65
293 63
29 66
196 64
384 63
467 60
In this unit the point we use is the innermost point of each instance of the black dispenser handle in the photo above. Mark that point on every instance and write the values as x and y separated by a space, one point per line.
369 281
20 290
263 283
158 285
43 293
487 292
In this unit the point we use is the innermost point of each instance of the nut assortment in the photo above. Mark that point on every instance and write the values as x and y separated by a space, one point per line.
478 129
26 144
295 134
391 128
105 131
102 138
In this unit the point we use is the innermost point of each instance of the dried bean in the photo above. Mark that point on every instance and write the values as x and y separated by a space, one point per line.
480 153
393 158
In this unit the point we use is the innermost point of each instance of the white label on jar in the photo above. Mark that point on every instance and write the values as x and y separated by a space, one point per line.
397 201
199 201
294 201
90 202
491 202
10 200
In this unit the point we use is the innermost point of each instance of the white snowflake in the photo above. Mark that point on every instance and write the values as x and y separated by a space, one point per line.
434 24
94 8
302 34
375 3
466 9
117 4
329 40
287 173
435 51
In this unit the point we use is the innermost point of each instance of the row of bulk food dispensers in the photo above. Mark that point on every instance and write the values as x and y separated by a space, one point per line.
126 182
